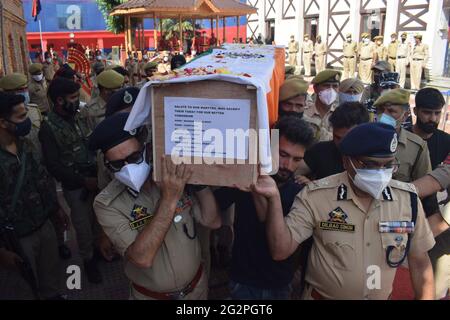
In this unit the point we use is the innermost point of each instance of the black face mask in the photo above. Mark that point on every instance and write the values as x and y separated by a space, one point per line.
376 79
22 129
429 127
71 107
283 113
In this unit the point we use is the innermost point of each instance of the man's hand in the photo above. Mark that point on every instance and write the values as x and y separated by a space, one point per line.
9 259
63 219
91 184
106 248
437 224
174 179
266 187
302 180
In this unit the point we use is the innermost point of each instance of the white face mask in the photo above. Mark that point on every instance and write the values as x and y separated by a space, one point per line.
366 41
134 175
346 97
145 57
49 60
38 77
371 181
99 58
328 96
166 59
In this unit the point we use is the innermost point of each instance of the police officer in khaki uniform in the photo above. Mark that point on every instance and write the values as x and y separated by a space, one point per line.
152 225
326 88
364 224
367 56
17 83
320 53
412 153
307 52
419 60
109 81
142 64
293 48
48 68
37 87
381 49
149 70
392 52
293 98
350 52
403 58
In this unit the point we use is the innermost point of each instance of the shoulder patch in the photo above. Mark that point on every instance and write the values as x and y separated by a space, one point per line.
326 183
416 139
110 193
409 187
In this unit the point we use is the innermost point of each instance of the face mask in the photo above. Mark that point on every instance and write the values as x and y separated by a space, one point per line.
349 40
346 97
366 41
145 57
26 95
387 119
22 128
403 40
427 127
38 77
166 59
328 96
72 107
99 58
371 181
134 175
49 60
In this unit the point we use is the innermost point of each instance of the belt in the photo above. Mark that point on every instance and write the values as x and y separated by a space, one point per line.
349 57
366 59
171 295
417 59
307 51
316 296
401 57
393 58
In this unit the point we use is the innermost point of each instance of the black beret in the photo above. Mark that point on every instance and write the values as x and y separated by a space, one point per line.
110 133
377 140
8 100
120 100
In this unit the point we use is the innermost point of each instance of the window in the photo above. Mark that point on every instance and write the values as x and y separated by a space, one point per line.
12 55
373 23
311 28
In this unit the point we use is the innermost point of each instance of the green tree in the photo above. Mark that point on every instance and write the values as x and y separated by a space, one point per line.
114 24
172 26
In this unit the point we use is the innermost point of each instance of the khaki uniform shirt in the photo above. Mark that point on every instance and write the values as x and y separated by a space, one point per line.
350 49
313 116
163 68
320 49
381 52
96 111
420 52
49 71
366 51
293 47
38 95
347 241
307 47
442 175
392 50
413 156
123 217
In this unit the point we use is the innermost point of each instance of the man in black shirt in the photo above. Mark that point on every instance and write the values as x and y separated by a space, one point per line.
254 274
429 105
324 159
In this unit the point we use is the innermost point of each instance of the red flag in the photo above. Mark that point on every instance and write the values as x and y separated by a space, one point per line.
36 9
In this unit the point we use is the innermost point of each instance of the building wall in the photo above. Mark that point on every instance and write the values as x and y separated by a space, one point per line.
14 48
335 18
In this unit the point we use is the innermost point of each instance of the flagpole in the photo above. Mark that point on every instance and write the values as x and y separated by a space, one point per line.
42 42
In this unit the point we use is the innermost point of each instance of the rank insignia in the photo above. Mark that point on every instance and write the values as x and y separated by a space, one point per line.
387 194
183 204
337 222
140 217
342 192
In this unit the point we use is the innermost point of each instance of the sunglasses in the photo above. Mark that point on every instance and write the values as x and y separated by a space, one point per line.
134 158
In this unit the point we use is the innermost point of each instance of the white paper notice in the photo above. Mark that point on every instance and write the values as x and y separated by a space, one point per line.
210 128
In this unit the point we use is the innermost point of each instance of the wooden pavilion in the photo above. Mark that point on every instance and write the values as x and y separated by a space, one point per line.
177 9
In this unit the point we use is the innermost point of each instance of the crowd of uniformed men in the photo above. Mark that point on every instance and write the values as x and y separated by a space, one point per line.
354 190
